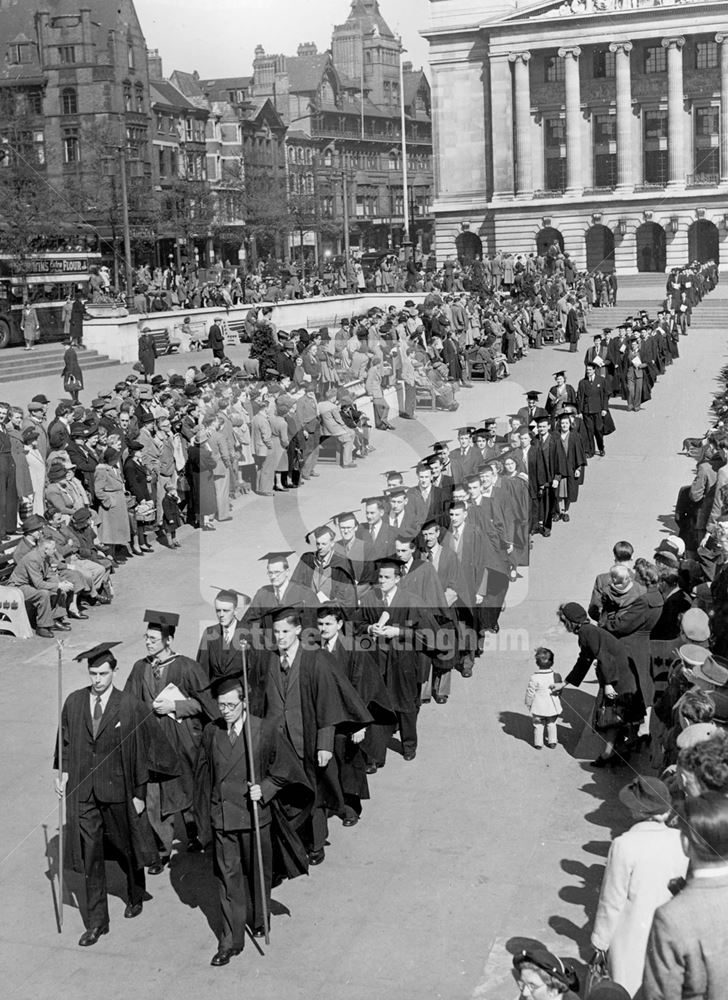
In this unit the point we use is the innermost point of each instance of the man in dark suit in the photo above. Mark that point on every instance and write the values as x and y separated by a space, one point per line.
224 809
424 500
465 459
326 572
686 952
591 401
282 591
463 539
351 547
377 536
104 775
307 697
221 647
530 413
400 518
599 348
216 340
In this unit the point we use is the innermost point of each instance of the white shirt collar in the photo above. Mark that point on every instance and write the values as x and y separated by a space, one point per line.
237 726
718 872
104 698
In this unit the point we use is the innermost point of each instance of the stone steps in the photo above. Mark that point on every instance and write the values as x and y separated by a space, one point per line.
45 362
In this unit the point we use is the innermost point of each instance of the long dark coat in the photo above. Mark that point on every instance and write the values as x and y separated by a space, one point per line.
569 460
183 735
199 466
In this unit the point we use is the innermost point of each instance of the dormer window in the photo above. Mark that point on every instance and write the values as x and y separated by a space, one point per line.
21 53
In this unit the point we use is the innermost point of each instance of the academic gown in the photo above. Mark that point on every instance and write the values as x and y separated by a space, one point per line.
570 459
520 499
400 660
182 733
327 699
217 660
342 578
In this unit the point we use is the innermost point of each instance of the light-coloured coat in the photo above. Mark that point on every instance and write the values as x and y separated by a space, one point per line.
109 489
641 862
539 697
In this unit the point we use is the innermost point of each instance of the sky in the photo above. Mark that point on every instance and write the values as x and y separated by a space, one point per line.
218 37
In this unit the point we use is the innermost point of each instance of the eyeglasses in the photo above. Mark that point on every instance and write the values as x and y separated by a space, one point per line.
228 706
528 988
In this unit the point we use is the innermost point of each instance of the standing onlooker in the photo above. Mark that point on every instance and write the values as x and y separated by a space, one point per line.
30 325
147 353
686 952
36 468
72 375
216 340
109 490
76 325
8 488
640 866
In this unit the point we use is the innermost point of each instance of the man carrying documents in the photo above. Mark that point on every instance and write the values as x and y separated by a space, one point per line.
170 686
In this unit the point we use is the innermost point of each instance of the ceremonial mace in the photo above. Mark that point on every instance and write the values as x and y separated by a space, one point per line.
59 778
251 768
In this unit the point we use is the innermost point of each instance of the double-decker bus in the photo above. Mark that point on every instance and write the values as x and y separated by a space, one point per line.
45 280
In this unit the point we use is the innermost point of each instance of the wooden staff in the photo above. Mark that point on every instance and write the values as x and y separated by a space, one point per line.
59 778
256 818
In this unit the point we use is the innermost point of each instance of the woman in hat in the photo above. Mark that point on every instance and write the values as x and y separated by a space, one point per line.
640 866
109 490
615 707
58 494
542 976
138 482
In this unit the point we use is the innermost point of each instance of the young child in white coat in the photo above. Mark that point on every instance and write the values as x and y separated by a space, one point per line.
543 703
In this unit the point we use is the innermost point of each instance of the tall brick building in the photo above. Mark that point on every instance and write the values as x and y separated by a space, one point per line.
342 107
77 73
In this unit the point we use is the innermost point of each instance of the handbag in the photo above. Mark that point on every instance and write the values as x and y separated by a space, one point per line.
596 972
145 511
608 714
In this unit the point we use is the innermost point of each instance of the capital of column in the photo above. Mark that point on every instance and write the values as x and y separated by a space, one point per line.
720 38
574 51
523 57
678 42
625 47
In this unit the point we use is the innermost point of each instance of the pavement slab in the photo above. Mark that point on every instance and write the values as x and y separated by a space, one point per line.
478 845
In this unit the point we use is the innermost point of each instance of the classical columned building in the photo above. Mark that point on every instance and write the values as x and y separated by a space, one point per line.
602 124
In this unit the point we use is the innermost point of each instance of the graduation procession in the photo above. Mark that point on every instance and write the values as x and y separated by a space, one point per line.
309 660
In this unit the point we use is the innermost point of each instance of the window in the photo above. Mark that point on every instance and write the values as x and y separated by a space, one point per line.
139 94
605 129
655 145
71 146
162 171
604 64
327 206
130 55
706 55
605 150
127 95
554 69
67 54
69 101
555 154
706 146
398 205
24 52
655 59
34 102
554 131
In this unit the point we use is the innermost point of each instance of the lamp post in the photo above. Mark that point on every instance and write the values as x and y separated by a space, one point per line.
406 244
125 223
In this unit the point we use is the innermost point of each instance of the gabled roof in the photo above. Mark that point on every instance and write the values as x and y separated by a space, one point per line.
305 73
164 92
189 85
413 80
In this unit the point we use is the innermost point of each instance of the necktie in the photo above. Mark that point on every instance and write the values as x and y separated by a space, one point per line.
156 669
98 712
284 663
278 594
232 736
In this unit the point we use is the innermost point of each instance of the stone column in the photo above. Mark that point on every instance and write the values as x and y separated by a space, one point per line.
522 115
675 113
573 120
722 40
625 175
501 109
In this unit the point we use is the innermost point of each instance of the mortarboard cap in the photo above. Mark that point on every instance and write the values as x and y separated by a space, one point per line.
345 515
562 374
389 562
98 654
165 619
231 594
532 394
430 523
367 500
225 684
465 430
441 445
323 529
391 474
276 556
397 491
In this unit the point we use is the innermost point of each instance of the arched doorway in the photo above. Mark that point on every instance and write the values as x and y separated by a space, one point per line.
469 247
651 247
704 241
600 249
546 238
